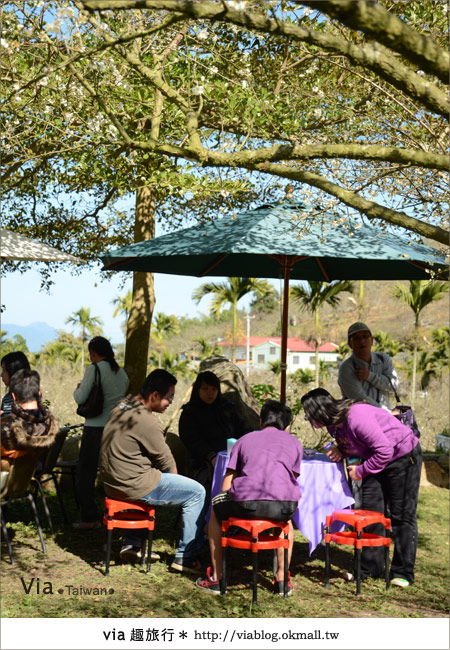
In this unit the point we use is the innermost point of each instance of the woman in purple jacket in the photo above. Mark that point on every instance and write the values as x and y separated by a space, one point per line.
390 464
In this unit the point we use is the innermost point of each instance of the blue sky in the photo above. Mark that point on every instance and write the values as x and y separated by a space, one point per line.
25 303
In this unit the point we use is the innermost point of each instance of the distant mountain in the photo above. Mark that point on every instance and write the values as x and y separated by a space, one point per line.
36 335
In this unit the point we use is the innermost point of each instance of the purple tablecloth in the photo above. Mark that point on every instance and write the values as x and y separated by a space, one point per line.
323 488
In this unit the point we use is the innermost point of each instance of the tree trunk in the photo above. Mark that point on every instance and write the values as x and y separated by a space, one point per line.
83 336
234 334
317 344
317 365
413 379
143 300
361 299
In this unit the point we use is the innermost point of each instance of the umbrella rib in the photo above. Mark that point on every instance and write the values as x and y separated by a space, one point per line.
217 261
288 260
423 267
322 268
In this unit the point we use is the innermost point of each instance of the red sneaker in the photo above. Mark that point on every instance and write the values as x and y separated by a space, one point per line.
278 586
208 584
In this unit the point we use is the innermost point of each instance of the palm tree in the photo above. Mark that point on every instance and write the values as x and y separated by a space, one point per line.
206 349
418 295
311 298
229 293
170 362
87 323
432 362
162 327
57 352
123 305
386 343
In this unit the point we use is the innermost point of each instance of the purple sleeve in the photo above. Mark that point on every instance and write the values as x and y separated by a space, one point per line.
298 459
367 431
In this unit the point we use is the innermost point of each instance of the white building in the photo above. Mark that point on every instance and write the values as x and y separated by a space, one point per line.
264 349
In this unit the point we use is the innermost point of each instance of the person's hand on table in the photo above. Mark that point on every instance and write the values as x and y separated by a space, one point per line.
334 454
352 473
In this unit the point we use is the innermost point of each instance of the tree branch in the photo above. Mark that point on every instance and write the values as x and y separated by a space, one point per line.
373 56
371 209
374 20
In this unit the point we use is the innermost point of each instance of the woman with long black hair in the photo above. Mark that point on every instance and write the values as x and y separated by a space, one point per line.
390 466
115 383
206 422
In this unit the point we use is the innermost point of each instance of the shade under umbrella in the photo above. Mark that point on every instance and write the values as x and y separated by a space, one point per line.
281 240
17 247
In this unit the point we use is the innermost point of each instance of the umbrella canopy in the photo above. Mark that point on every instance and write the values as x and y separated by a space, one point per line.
16 247
280 240
253 243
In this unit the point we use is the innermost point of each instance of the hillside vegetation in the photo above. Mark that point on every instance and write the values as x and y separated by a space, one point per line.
381 312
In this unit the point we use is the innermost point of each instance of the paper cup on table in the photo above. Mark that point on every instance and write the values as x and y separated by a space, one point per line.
230 443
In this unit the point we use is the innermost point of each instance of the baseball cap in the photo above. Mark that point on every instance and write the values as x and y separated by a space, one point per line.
357 327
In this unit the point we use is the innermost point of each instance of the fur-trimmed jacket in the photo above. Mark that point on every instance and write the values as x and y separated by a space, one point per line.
23 430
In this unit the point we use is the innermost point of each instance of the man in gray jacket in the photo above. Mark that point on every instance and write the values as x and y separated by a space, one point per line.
137 464
365 374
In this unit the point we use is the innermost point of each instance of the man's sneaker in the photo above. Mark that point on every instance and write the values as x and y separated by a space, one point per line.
400 582
208 584
187 565
132 554
278 586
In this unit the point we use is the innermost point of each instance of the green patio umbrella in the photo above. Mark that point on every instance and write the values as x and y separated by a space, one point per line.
281 240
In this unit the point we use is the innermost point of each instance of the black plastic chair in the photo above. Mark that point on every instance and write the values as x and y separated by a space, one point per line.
18 488
51 467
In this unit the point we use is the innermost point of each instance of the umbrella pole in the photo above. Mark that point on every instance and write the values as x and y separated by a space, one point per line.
284 327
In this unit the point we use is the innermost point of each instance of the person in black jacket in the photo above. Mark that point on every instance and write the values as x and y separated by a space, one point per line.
206 422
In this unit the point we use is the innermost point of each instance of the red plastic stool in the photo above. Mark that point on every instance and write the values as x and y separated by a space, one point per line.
359 519
254 539
129 514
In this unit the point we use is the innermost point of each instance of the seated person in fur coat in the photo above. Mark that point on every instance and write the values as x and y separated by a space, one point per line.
29 427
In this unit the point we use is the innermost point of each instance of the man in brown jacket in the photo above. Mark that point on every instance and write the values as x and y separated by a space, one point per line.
136 463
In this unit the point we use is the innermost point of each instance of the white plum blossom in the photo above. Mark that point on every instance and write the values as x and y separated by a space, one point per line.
55 27
317 112
202 34
234 4
307 11
197 90
214 69
4 43
244 84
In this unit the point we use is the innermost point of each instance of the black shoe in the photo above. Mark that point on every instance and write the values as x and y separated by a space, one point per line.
187 565
208 584
278 586
129 553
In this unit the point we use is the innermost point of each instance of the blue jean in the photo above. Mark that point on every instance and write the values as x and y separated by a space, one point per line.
394 491
177 490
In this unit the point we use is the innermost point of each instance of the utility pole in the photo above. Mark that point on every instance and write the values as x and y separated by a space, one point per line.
248 319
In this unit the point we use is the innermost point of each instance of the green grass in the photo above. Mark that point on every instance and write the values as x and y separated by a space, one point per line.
75 558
